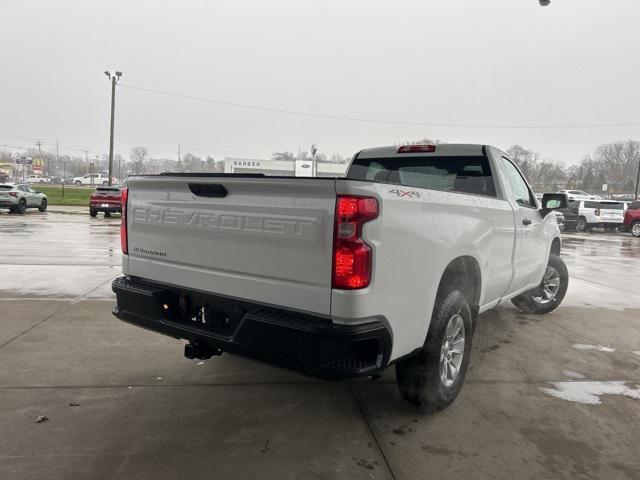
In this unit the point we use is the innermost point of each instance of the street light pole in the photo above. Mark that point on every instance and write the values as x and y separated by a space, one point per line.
114 79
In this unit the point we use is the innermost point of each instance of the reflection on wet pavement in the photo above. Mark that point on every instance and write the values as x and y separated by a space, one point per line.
57 255
611 260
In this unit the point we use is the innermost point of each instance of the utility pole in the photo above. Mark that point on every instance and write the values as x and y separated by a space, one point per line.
114 79
179 160
637 180
86 159
314 167
57 159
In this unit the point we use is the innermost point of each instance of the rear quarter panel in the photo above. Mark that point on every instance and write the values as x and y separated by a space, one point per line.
415 238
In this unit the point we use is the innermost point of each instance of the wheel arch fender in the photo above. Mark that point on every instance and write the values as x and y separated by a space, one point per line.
463 273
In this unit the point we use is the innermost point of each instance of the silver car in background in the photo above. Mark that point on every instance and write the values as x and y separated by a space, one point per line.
17 198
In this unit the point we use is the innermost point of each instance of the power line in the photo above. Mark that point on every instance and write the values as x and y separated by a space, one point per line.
42 142
373 120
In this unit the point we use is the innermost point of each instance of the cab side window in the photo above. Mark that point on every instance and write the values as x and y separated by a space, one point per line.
519 187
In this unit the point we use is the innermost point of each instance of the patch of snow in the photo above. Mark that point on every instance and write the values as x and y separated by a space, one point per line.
600 348
572 374
637 352
589 393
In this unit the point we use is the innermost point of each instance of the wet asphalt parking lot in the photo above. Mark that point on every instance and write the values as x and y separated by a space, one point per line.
555 397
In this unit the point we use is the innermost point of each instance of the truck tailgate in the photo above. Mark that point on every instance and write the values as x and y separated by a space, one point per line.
265 239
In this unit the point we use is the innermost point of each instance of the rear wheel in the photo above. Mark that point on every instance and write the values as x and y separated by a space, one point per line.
21 207
77 183
43 205
635 229
582 225
107 214
549 294
93 212
433 378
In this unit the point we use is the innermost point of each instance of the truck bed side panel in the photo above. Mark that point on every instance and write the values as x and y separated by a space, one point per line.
419 232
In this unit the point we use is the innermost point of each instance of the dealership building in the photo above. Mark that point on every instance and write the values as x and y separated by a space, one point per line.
297 168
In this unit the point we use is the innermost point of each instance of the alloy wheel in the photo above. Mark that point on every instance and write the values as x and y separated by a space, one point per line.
452 350
549 286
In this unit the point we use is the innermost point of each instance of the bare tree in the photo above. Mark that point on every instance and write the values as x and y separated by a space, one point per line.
618 162
138 157
282 156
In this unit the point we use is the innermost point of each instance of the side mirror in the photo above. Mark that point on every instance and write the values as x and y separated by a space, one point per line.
553 201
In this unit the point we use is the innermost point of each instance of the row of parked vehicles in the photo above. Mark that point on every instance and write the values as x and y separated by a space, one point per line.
88 179
611 215
19 197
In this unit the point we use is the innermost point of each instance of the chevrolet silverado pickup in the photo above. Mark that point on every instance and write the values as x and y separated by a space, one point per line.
339 278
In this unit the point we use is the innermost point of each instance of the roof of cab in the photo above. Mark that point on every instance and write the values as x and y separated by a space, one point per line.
446 149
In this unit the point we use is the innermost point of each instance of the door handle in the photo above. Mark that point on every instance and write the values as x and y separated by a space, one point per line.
526 221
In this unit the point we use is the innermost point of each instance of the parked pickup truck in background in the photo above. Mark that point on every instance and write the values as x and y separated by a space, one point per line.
344 277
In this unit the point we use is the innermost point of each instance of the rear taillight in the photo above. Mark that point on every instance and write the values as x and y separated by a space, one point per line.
14 194
123 226
352 257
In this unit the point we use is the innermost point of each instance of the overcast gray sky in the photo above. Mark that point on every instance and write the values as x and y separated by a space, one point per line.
489 62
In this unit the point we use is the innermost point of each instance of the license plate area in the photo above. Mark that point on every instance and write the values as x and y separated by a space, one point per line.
105 205
199 312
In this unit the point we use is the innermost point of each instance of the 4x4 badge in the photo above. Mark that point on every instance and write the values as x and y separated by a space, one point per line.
405 193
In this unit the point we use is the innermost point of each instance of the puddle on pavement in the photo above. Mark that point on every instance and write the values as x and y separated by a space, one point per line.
589 393
600 348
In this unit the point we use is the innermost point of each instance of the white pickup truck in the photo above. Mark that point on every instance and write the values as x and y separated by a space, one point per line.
343 277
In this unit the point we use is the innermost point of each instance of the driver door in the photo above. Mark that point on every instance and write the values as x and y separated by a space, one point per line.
530 253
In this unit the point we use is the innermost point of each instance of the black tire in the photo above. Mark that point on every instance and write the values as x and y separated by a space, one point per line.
107 214
21 207
582 225
419 377
93 212
43 205
77 183
532 302
635 229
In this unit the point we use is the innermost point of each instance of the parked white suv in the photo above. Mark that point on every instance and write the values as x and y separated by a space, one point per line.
93 179
607 214
343 277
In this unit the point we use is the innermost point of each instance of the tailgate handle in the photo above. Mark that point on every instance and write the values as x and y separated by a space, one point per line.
214 190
